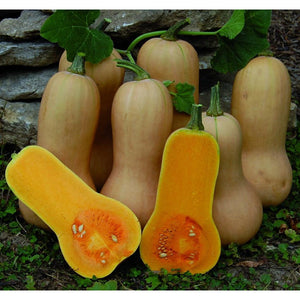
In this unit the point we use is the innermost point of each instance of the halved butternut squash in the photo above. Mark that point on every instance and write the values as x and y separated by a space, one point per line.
95 232
181 234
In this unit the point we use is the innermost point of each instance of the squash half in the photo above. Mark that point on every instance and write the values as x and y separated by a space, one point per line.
95 232
181 235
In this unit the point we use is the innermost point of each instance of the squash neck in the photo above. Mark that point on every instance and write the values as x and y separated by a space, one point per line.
215 109
195 122
78 64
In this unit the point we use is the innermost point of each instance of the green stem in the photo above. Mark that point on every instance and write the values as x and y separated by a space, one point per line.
172 32
195 122
144 36
196 33
78 64
130 57
140 72
159 33
215 109
103 24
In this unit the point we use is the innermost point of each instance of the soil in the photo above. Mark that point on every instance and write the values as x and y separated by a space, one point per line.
284 38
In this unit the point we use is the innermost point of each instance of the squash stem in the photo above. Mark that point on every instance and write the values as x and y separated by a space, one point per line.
78 64
172 32
215 109
195 122
142 37
140 72
159 34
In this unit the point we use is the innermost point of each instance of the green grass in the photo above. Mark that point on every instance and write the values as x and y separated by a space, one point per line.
30 258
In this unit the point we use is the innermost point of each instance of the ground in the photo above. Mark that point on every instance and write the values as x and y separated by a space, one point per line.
31 259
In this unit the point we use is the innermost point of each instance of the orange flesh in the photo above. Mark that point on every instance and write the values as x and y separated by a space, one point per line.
85 222
181 225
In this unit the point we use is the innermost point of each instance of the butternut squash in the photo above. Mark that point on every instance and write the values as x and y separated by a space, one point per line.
237 209
261 98
67 123
181 234
95 233
108 78
171 58
142 112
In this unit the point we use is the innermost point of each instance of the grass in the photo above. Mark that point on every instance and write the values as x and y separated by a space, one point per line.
30 258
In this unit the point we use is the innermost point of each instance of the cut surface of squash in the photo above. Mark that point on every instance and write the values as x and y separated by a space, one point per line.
95 232
181 234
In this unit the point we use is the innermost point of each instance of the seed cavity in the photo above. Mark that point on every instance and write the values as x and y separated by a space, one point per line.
82 233
114 238
101 254
103 261
192 234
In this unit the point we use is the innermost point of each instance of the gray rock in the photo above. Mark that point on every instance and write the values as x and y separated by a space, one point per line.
134 22
33 54
18 122
27 26
25 84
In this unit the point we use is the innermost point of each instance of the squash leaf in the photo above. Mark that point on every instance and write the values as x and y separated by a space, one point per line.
184 97
234 54
70 29
110 285
234 26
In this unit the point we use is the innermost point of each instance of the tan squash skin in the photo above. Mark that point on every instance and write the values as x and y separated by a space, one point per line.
261 99
237 209
171 60
67 120
108 78
142 114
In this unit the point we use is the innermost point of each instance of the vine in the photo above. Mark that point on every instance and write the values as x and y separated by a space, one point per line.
240 39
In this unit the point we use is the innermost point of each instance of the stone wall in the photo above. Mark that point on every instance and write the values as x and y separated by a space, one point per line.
27 61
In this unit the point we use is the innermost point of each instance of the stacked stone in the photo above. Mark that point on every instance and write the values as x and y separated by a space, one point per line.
27 61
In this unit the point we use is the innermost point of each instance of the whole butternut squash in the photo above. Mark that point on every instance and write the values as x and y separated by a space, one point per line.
237 209
141 119
181 234
67 123
95 233
170 58
261 98
108 78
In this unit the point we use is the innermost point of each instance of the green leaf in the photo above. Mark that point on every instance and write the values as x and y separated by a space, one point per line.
71 30
154 281
30 283
292 234
234 54
184 97
167 83
234 26
110 285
